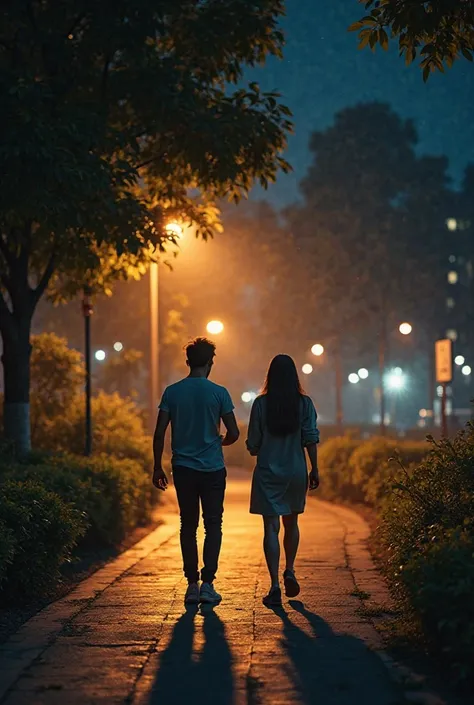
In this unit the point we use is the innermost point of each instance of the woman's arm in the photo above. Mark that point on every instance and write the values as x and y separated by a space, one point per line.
254 433
312 451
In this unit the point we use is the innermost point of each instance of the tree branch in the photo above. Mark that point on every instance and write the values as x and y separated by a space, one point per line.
44 280
9 257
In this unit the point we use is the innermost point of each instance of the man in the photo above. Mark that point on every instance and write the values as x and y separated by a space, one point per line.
195 407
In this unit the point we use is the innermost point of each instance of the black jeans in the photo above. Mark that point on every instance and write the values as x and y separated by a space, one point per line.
192 487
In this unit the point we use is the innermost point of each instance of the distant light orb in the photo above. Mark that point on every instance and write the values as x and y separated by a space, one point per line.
100 355
452 224
215 327
353 378
363 373
307 369
453 277
423 413
118 346
246 397
466 370
174 230
459 360
396 379
405 328
317 349
452 334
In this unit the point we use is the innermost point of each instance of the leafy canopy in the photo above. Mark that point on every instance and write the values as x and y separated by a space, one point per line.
439 31
119 115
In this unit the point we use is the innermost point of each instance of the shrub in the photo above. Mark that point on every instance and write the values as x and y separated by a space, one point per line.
117 427
114 496
334 457
439 583
427 531
7 550
40 531
373 470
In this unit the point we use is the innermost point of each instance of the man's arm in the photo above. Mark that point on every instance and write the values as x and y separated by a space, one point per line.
159 476
312 450
232 429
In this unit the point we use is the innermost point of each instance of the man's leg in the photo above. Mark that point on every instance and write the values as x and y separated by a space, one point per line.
212 491
187 491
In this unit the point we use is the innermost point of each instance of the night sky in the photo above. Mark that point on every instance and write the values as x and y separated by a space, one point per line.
323 72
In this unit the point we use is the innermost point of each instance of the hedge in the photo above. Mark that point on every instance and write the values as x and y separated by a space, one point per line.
61 504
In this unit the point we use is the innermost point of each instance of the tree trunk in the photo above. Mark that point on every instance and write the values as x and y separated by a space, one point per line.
16 374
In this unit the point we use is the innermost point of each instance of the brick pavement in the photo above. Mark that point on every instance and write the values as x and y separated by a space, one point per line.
123 635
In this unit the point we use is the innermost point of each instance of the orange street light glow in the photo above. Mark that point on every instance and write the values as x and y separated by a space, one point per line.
215 327
174 230
405 328
307 369
317 350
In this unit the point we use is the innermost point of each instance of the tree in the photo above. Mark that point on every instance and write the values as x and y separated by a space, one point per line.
115 117
367 226
439 31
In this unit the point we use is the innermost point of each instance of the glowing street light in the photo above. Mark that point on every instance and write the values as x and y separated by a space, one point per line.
452 224
396 379
363 373
453 277
466 370
405 328
118 346
246 397
100 355
459 360
307 369
317 349
174 230
353 378
215 327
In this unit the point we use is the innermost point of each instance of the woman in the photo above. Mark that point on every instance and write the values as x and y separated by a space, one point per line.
282 424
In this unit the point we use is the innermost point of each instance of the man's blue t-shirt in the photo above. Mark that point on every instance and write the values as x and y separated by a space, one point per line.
196 406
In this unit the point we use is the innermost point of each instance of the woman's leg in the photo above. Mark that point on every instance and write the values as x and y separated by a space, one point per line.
271 546
291 539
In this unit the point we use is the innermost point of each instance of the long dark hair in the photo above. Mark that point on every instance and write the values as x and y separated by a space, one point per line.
283 393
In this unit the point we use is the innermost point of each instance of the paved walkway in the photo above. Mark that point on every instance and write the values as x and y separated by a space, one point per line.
123 635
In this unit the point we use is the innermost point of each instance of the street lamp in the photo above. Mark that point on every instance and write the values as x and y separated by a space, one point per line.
317 349
87 311
405 328
118 346
466 370
307 369
100 355
363 373
459 360
353 378
174 232
215 327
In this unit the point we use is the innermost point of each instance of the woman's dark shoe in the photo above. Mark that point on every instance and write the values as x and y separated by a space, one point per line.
273 599
292 586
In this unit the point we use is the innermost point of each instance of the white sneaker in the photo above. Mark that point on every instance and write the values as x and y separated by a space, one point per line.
208 596
192 594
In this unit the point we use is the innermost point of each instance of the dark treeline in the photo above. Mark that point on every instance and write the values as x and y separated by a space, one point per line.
378 236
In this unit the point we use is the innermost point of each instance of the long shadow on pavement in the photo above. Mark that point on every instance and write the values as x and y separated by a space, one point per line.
332 669
186 676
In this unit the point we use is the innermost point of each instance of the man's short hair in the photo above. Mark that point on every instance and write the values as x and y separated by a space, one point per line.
199 352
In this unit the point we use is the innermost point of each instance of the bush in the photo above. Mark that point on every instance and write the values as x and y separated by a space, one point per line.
373 467
427 531
439 584
117 427
334 458
39 531
114 496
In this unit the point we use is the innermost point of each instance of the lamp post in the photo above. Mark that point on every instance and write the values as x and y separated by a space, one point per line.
87 312
154 341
